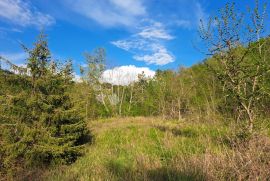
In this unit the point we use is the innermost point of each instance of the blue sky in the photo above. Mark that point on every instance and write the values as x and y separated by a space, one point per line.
158 34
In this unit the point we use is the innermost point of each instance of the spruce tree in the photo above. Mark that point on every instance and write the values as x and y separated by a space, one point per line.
44 128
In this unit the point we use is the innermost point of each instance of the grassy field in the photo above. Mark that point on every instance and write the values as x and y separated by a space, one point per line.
154 149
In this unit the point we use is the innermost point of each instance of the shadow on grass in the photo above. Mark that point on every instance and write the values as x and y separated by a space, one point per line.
121 172
87 138
185 132
38 172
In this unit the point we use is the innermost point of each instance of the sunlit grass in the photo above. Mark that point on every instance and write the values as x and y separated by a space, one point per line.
141 149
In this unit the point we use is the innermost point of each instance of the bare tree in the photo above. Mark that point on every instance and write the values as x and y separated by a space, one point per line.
237 46
95 68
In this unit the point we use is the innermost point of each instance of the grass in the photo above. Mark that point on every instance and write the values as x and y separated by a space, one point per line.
140 149
150 149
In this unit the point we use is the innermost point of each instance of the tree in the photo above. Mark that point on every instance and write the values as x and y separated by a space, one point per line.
43 127
240 52
93 72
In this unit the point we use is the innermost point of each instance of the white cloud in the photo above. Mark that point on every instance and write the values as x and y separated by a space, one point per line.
16 58
21 13
77 78
125 75
3 29
131 6
110 12
183 23
132 44
123 44
161 56
147 45
150 52
156 30
155 33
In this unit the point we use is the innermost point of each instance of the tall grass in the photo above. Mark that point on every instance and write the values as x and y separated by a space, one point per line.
154 149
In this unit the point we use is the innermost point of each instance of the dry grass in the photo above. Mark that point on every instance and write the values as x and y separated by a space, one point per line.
248 160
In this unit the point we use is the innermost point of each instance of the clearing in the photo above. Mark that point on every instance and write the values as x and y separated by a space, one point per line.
145 149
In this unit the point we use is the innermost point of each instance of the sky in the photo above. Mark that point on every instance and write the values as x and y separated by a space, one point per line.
138 35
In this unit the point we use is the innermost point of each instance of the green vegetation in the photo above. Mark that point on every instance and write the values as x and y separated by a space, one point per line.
40 126
206 122
155 149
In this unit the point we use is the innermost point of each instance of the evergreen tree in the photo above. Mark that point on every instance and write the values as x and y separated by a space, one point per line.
43 128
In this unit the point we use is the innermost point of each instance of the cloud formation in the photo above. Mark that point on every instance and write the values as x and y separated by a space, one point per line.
110 13
125 75
22 13
156 30
147 44
132 44
160 56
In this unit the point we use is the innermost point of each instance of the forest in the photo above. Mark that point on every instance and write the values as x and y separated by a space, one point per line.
209 121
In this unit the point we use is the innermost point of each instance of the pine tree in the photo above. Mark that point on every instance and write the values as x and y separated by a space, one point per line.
44 127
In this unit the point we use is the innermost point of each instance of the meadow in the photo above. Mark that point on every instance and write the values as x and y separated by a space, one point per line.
139 148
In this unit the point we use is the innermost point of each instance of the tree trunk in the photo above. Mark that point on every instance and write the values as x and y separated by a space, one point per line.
179 109
121 102
130 100
103 100
250 117
251 121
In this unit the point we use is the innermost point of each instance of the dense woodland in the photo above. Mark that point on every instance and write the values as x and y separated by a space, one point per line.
44 113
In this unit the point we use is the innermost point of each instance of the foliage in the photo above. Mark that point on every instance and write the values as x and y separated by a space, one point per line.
40 127
241 53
